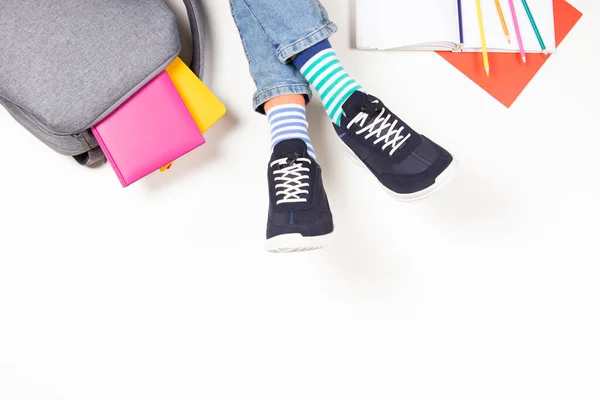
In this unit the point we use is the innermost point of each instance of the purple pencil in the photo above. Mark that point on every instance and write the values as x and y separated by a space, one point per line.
460 24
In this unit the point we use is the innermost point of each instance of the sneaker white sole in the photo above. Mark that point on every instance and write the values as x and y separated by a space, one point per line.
295 242
440 181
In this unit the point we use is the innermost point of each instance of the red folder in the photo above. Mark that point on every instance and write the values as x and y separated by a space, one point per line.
509 76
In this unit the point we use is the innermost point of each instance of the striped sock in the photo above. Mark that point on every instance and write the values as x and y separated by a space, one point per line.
320 66
288 121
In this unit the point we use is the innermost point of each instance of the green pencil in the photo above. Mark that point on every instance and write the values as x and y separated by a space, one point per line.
535 28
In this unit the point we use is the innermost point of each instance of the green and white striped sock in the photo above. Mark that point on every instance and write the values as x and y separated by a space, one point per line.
322 68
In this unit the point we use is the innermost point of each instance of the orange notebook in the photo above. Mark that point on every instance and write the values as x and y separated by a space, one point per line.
509 76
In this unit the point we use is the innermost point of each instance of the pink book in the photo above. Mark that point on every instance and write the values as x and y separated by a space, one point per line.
151 129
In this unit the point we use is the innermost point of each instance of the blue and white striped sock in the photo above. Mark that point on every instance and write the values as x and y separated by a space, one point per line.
321 67
288 121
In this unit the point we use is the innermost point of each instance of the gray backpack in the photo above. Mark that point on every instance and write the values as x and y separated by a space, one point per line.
66 64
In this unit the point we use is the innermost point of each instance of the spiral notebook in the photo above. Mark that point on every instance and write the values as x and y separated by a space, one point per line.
432 25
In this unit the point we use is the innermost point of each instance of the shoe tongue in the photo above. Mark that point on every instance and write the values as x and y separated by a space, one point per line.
291 146
353 105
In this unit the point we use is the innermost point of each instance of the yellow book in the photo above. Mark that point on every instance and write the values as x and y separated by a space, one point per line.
204 107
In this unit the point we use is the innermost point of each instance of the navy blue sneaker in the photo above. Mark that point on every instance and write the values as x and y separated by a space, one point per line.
299 214
409 165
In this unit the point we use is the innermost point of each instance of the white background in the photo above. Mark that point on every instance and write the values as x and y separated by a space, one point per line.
488 290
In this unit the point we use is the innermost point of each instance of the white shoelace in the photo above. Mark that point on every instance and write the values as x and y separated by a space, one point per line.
393 139
292 180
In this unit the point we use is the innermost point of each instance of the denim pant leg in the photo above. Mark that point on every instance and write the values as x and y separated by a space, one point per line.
270 38
272 78
292 26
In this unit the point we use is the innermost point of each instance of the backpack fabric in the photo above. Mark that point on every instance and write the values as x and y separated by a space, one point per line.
65 65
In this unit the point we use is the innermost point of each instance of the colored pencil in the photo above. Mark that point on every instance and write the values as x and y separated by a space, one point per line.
460 24
518 31
486 61
503 20
535 28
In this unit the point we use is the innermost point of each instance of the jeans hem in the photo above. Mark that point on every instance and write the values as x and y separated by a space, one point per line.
261 97
284 53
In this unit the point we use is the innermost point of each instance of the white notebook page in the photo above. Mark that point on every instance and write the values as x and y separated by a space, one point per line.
388 24
543 13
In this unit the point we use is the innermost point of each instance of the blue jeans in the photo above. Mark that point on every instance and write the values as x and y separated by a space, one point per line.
272 32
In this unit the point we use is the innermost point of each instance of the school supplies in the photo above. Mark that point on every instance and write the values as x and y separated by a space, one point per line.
502 20
484 53
203 105
509 77
65 65
435 25
517 30
151 129
460 25
534 26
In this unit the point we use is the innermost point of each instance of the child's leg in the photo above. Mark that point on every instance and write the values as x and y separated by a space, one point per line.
271 77
282 92
291 26
287 120
406 163
321 67
299 214
298 30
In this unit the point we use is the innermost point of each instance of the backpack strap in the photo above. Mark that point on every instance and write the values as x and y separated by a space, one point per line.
91 157
197 28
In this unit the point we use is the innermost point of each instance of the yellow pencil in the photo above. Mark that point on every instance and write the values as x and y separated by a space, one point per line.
503 20
486 61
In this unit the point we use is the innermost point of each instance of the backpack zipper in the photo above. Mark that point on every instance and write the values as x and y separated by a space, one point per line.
79 136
